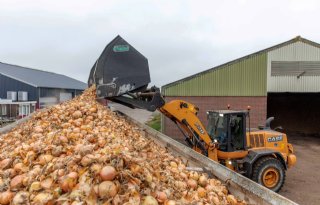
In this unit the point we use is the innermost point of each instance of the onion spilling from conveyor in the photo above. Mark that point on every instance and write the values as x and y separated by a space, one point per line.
80 152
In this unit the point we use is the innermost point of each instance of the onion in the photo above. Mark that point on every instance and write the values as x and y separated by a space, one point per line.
47 183
4 164
6 197
44 159
102 142
108 173
20 167
183 175
170 202
213 198
93 110
38 129
2 183
17 182
42 198
149 200
73 175
96 189
21 198
60 172
214 182
201 192
87 160
63 139
31 155
192 183
57 151
173 164
231 199
26 181
161 196
91 138
107 189
181 167
148 177
77 114
135 168
180 185
209 187
95 169
35 186
203 180
67 184
10 172
194 175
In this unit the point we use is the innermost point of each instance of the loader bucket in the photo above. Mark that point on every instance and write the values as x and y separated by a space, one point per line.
119 69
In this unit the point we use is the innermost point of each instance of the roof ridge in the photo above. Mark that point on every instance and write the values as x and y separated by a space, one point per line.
17 72
31 68
293 40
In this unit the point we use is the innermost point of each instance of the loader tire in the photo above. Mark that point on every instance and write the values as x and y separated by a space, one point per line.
269 172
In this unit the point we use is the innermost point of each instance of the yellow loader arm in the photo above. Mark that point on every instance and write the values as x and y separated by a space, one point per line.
184 114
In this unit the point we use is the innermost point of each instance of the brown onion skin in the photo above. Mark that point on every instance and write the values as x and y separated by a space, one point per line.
108 173
6 197
17 182
4 164
107 189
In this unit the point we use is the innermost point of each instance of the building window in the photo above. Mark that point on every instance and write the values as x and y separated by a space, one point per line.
295 68
3 110
24 110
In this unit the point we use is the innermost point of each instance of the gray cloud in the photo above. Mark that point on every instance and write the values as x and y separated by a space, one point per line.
179 38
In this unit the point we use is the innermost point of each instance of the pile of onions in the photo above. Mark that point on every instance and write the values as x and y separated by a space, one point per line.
79 152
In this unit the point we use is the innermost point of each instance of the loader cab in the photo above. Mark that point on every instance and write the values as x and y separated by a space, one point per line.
228 127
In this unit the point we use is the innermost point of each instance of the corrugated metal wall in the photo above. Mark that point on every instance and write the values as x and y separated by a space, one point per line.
245 77
298 51
10 84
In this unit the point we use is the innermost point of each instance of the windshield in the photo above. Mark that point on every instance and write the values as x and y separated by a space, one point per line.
217 127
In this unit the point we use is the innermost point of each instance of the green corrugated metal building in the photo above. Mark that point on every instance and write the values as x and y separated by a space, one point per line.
267 81
243 77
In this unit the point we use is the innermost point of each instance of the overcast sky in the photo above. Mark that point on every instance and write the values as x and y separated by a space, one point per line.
179 38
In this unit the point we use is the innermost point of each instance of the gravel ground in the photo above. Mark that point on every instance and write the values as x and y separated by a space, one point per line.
302 182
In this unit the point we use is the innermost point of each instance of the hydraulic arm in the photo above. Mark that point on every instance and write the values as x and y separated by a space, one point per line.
184 114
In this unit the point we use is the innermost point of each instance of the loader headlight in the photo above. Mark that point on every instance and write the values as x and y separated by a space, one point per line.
229 162
215 140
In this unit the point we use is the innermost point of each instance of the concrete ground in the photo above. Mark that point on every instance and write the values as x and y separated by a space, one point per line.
138 114
303 180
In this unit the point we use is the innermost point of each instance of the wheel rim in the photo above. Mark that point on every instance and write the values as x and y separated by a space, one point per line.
270 177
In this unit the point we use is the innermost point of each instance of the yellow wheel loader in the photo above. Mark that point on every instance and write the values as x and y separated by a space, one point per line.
121 74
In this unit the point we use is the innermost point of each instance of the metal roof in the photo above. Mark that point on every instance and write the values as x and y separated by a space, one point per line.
39 78
296 39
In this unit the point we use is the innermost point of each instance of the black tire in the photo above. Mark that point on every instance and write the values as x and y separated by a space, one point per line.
265 164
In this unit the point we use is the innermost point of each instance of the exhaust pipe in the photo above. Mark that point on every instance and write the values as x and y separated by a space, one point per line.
268 123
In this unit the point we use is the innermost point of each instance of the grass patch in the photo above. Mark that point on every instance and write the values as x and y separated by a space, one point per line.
155 122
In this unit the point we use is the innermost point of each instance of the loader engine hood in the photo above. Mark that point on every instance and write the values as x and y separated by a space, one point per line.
119 69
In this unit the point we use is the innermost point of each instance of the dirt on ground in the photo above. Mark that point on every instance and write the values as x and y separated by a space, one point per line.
303 180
